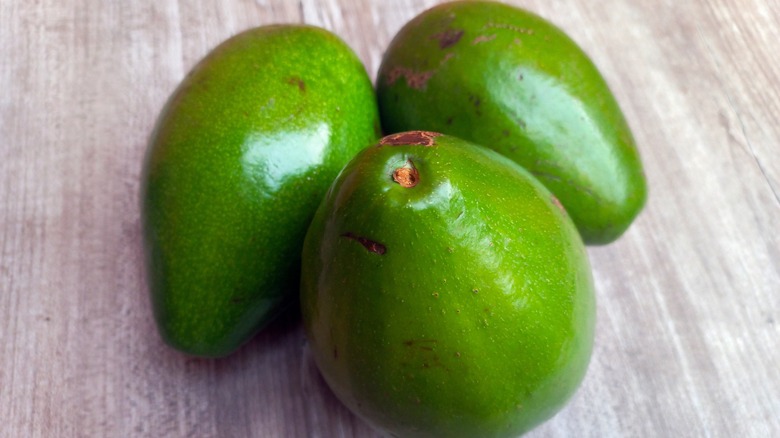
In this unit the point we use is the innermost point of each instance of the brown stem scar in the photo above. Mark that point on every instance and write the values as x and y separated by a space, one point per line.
370 245
425 138
407 176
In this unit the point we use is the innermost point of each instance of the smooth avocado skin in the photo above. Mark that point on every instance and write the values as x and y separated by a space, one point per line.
445 292
238 162
509 80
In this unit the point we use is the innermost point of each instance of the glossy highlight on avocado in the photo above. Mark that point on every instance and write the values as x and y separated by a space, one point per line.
238 162
445 292
509 80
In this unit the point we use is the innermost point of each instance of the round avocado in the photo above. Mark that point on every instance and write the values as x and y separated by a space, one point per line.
240 157
509 80
445 292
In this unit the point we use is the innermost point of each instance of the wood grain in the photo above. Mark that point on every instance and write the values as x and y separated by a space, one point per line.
688 339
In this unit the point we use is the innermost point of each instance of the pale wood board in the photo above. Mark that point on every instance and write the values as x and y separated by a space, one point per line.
688 338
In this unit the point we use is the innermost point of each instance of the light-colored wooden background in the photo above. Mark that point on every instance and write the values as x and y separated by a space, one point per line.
688 340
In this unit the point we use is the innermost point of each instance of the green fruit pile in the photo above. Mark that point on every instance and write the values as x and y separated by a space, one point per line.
441 270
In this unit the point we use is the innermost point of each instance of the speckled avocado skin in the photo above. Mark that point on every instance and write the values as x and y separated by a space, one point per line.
509 80
445 292
240 158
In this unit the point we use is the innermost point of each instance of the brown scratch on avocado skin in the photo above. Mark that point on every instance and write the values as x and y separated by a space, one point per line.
558 204
422 353
425 138
448 38
417 80
414 79
295 80
370 245
483 39
518 29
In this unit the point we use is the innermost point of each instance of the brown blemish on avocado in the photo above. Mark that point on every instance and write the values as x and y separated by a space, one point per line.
518 29
422 352
414 79
558 204
476 101
295 80
483 39
425 138
448 38
371 245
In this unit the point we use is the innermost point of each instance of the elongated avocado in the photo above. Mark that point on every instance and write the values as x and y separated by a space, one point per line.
509 80
239 159
445 292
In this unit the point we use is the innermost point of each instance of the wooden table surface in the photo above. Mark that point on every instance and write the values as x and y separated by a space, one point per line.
688 332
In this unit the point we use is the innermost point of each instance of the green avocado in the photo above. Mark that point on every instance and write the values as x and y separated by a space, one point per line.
238 162
445 292
507 79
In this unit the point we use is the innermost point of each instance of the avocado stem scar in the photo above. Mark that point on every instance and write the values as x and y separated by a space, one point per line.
407 175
